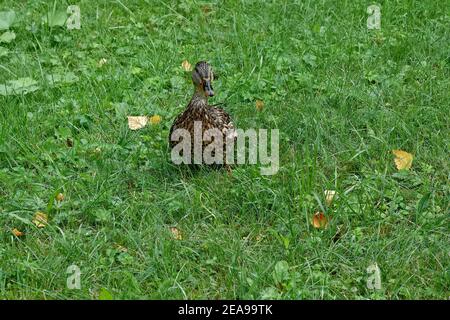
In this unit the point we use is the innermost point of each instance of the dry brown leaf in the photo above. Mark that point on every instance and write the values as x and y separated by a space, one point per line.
16 232
186 66
403 159
329 196
136 123
155 119
319 220
60 197
40 219
259 105
176 233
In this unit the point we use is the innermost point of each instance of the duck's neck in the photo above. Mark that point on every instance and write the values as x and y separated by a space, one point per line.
199 100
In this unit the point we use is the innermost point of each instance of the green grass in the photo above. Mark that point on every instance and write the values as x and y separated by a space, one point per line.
366 93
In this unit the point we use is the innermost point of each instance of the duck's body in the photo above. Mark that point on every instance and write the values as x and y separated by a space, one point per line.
198 110
209 116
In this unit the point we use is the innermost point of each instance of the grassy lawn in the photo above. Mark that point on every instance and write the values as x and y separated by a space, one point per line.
342 96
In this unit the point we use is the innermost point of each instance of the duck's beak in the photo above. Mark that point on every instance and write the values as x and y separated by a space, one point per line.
208 88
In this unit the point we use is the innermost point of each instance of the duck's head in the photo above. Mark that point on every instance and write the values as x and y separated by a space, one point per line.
202 77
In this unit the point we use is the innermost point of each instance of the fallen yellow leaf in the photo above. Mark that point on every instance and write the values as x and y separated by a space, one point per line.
135 123
259 105
155 119
40 219
329 196
176 233
102 61
186 65
60 197
120 248
319 220
403 159
17 233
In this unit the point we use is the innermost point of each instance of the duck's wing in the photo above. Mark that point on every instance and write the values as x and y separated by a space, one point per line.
223 122
181 121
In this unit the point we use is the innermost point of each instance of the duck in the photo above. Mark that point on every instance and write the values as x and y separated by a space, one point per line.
198 109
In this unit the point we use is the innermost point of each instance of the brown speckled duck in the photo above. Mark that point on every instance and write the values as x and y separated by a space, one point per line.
199 110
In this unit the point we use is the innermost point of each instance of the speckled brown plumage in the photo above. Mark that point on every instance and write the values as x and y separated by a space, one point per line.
199 110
